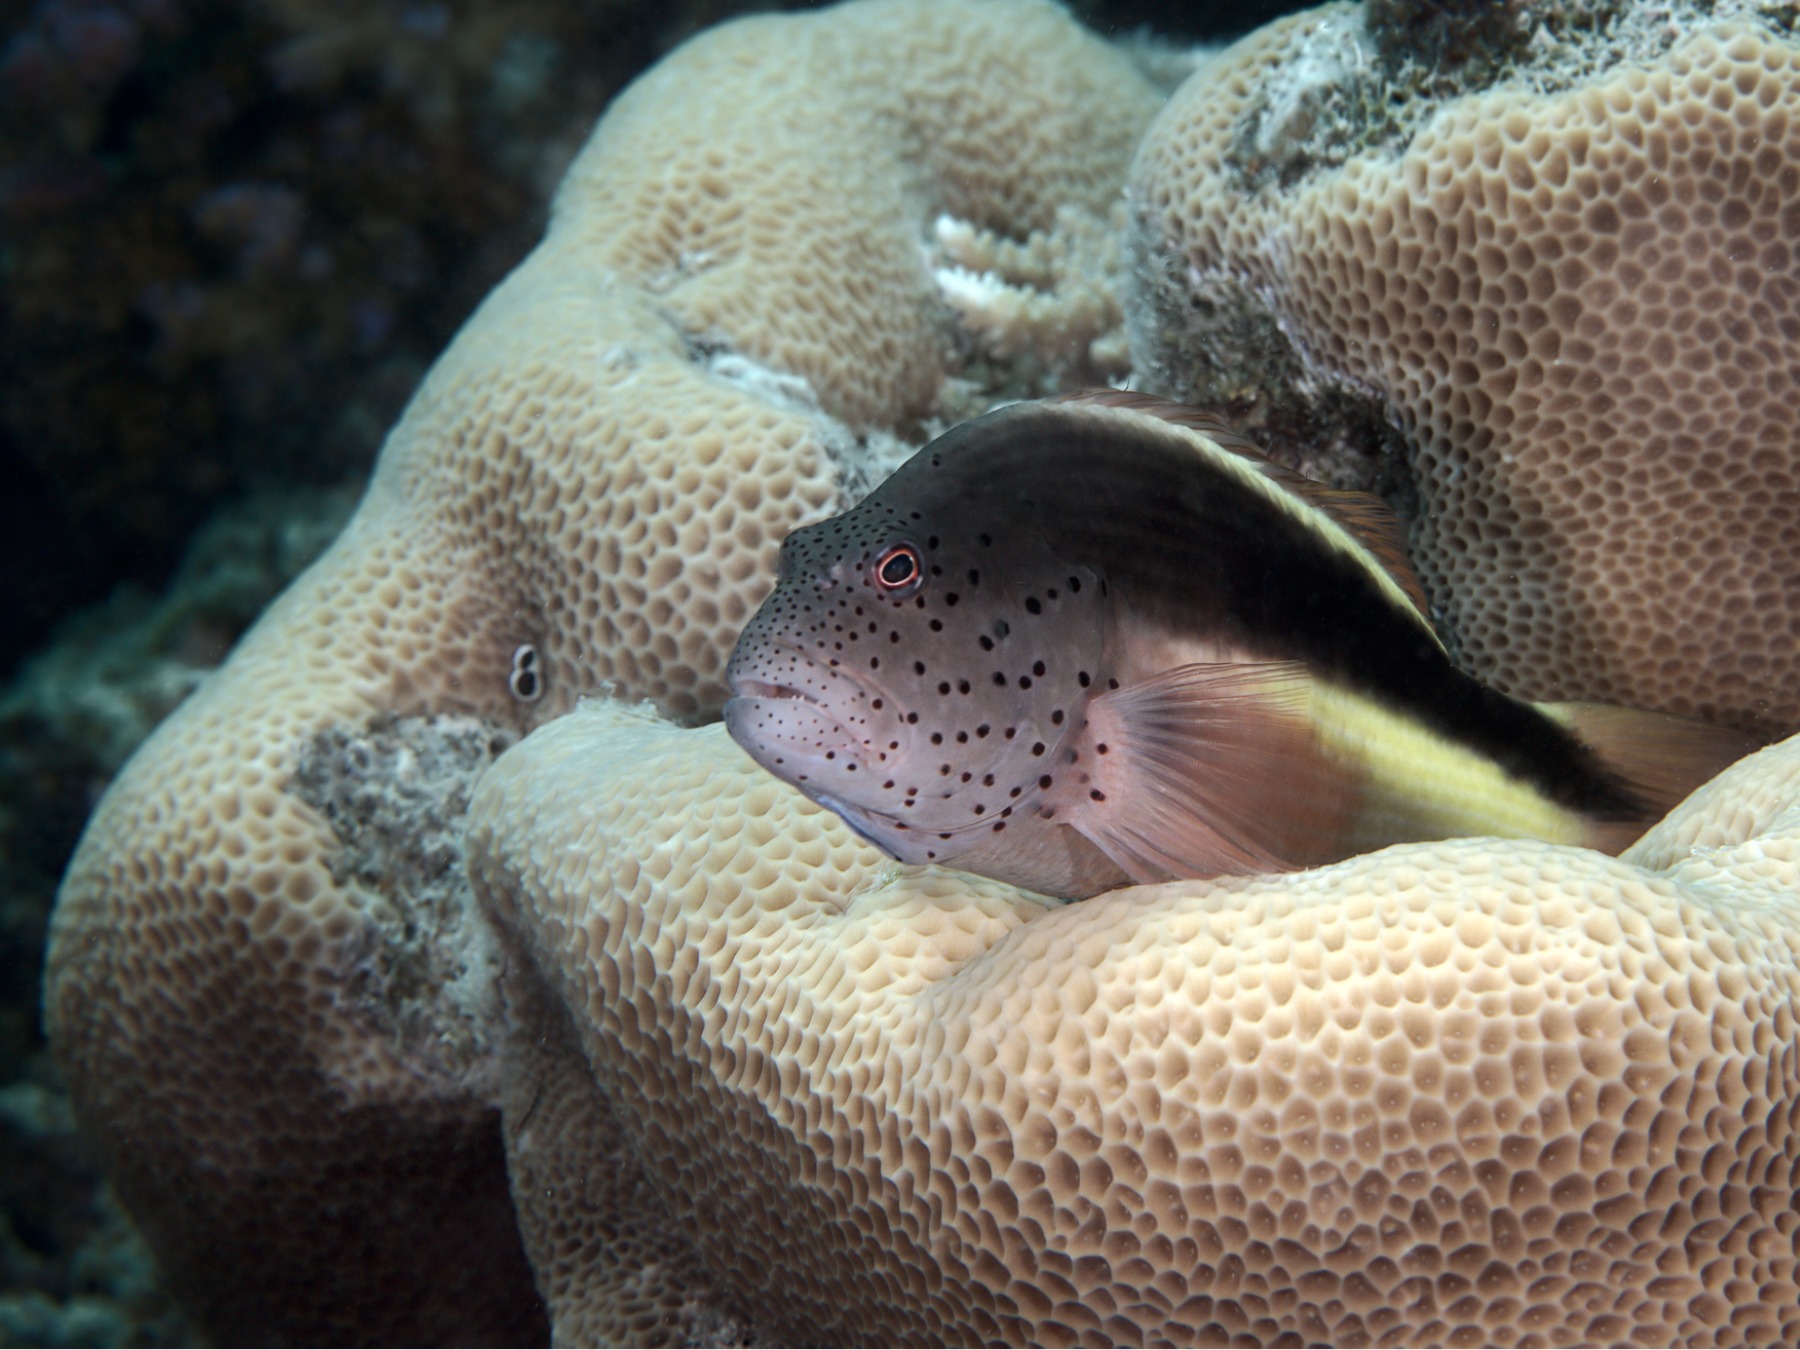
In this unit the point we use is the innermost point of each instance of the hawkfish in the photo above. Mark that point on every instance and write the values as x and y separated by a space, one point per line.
1104 639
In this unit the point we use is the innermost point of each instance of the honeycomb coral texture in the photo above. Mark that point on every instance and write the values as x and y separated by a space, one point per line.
1583 310
572 477
1465 1093
1470 1092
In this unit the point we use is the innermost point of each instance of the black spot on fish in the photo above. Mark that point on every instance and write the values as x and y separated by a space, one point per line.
1085 680
1032 606
1097 795
1000 678
875 704
1045 781
918 667
1037 748
987 643
937 738
962 686
983 729
937 625
1056 718
1037 667
974 577
943 687
1102 749
987 780
1024 681
987 540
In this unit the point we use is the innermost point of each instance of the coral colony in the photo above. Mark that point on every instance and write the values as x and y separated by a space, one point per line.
657 1049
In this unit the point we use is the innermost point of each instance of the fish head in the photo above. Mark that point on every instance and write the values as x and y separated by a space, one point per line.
921 670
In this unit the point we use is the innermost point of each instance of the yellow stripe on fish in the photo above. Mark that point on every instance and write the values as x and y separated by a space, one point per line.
1418 784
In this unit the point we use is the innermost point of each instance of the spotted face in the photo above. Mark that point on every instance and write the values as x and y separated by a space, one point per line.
919 671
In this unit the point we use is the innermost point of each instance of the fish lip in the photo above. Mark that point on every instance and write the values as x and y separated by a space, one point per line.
750 687
764 689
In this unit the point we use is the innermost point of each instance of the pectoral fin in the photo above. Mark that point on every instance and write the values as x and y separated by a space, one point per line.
1211 769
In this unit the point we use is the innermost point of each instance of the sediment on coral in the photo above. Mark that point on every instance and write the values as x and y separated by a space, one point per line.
420 970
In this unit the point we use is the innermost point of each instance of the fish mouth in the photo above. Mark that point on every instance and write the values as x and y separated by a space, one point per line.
763 689
792 730
748 686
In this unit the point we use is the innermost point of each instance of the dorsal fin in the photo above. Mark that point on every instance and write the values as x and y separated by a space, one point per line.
1363 516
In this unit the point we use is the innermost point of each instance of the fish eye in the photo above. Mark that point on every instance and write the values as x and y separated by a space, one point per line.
898 570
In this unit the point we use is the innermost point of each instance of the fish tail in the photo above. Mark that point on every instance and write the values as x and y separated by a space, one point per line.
1658 758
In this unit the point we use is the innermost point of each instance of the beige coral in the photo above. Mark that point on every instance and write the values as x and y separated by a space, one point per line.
1574 291
1478 1092
288 1056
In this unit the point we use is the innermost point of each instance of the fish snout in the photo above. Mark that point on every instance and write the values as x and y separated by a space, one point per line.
808 723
